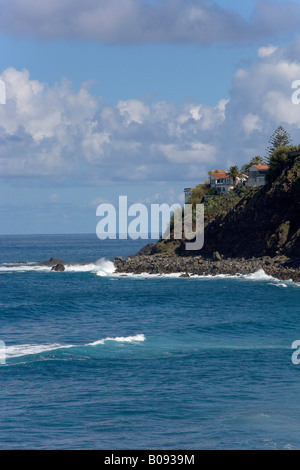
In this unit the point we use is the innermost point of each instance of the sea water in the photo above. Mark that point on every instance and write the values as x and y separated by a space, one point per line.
98 360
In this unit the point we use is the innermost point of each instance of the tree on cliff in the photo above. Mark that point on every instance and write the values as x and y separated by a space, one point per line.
258 160
234 173
279 138
281 160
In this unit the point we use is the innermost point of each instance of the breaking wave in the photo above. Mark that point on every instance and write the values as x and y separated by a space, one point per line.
106 268
102 267
16 351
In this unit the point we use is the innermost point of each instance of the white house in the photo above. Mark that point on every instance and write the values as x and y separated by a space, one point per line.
257 175
221 181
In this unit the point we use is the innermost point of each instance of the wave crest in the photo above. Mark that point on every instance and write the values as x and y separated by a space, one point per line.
102 267
35 349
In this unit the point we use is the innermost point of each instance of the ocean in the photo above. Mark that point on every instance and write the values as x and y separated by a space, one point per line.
96 360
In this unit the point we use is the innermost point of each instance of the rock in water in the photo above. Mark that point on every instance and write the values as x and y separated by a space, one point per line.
52 262
58 267
185 275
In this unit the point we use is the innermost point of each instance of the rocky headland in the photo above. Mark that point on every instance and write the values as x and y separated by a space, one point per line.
260 229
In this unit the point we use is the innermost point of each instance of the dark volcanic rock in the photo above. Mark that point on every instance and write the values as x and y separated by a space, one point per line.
52 262
265 223
217 256
58 267
279 267
146 250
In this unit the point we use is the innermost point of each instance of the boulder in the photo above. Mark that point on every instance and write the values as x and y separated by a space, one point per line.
58 267
52 262
217 256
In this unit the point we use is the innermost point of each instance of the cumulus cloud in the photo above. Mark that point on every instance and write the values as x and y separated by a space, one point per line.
190 153
251 122
260 100
65 135
140 21
133 110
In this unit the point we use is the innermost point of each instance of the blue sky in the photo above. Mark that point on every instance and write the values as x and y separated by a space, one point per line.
135 97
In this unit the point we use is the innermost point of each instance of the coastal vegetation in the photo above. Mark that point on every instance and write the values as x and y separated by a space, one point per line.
280 160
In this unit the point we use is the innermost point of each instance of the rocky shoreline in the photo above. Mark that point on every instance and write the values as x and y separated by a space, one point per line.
279 267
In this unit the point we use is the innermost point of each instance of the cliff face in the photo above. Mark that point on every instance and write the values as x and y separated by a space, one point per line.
266 223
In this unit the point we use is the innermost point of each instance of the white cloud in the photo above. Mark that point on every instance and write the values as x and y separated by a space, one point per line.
267 93
266 51
66 135
251 122
133 111
279 104
196 152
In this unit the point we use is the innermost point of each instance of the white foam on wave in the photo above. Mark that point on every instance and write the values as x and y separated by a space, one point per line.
120 339
102 267
277 284
259 275
106 268
33 349
21 268
262 276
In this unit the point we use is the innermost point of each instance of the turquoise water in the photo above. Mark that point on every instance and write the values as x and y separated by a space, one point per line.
94 360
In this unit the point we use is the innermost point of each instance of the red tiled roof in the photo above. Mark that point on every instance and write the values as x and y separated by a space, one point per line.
262 167
219 174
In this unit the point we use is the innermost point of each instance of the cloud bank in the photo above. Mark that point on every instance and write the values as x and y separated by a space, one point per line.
64 135
141 21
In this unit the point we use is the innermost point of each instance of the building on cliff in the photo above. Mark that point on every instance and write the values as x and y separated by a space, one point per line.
187 195
257 175
221 181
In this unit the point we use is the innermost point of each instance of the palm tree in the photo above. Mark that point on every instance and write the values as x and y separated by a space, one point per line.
258 160
234 174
